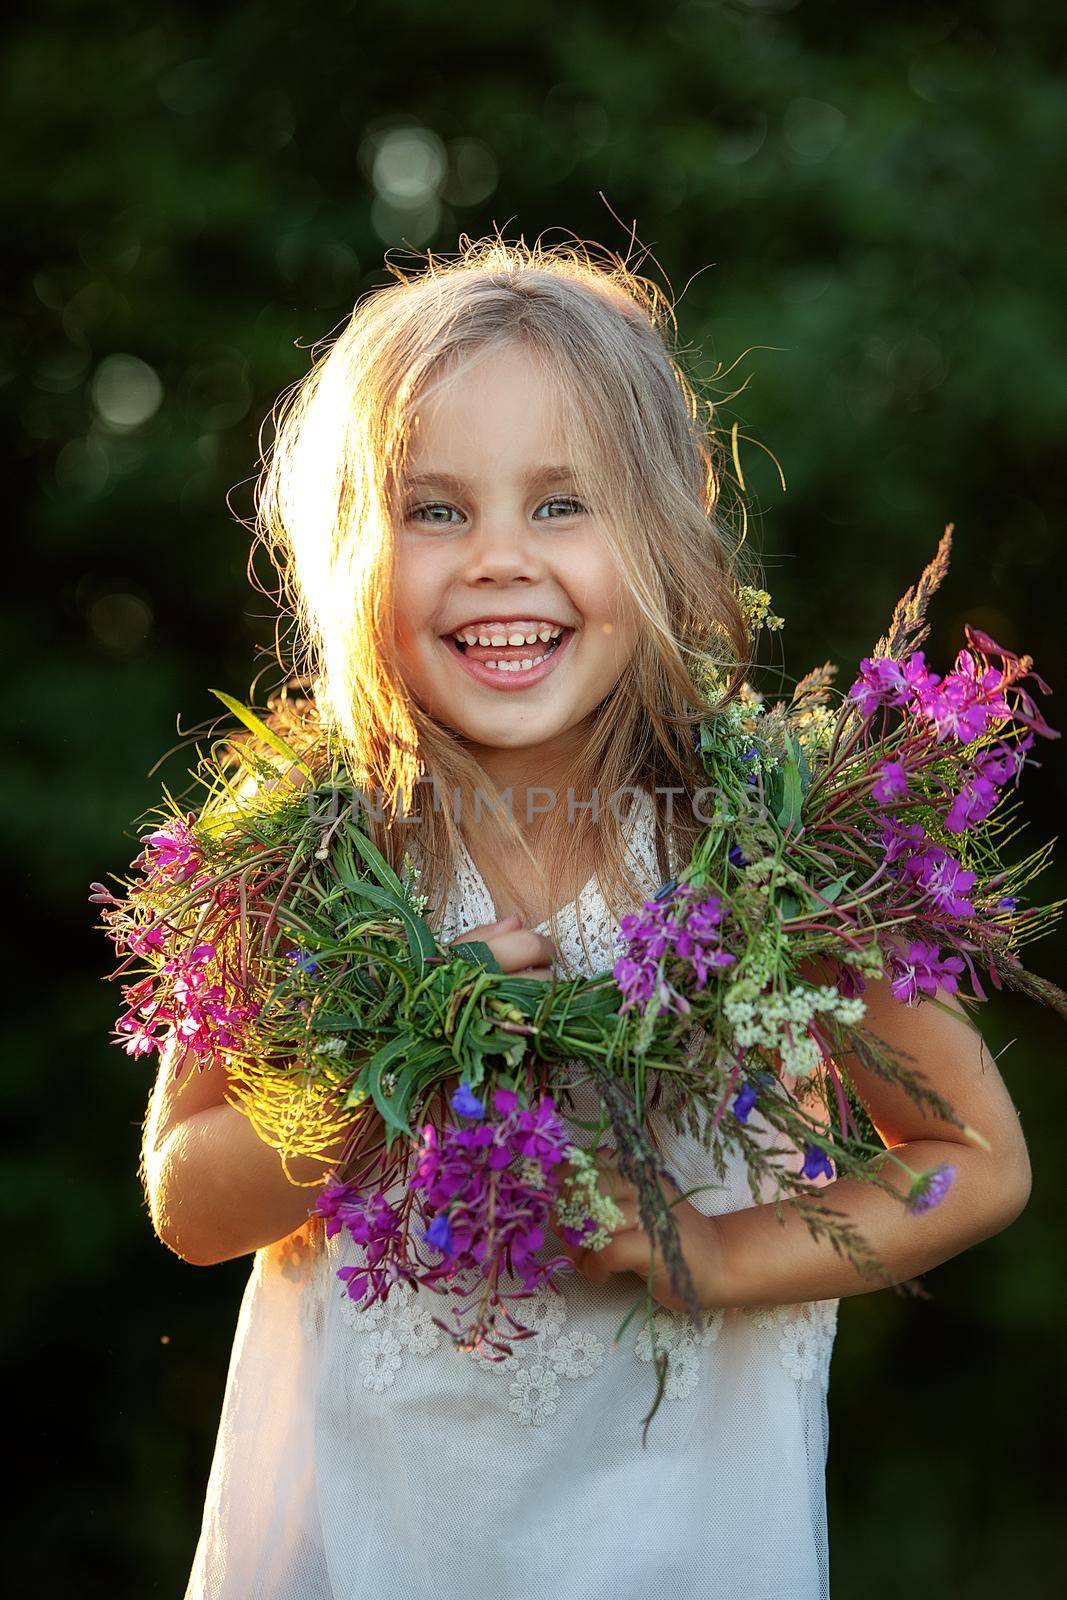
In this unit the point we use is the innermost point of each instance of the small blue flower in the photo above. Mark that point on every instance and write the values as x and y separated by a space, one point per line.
465 1102
816 1163
747 1096
306 962
439 1234
930 1188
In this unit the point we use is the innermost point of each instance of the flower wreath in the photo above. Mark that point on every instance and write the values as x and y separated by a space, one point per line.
265 931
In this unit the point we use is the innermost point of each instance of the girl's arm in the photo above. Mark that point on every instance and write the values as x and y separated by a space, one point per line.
765 1255
214 1188
763 1261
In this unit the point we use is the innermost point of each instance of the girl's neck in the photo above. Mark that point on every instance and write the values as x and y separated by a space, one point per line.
530 772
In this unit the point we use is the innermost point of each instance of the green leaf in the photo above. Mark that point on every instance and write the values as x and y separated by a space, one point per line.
400 1046
421 942
788 813
830 891
477 950
375 860
254 725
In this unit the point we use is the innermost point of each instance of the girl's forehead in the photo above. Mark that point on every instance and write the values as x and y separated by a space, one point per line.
506 405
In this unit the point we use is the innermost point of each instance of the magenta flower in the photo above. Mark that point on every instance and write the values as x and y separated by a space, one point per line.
491 1189
1003 763
891 784
922 970
972 805
881 682
171 852
685 927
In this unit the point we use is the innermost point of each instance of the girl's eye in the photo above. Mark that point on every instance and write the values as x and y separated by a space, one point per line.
436 505
415 514
564 500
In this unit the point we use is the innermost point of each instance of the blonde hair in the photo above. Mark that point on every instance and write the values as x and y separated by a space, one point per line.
646 453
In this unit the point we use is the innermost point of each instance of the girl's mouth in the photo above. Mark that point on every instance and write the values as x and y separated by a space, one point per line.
505 668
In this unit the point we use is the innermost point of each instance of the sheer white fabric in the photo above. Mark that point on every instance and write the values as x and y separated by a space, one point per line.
361 1454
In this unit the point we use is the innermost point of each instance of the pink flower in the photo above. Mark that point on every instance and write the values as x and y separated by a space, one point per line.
972 805
891 783
881 682
1004 762
170 852
922 971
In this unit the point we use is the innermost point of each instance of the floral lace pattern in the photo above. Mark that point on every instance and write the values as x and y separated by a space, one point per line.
679 1338
386 1330
805 1336
536 1364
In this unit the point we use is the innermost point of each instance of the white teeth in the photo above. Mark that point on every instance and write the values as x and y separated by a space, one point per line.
498 636
514 666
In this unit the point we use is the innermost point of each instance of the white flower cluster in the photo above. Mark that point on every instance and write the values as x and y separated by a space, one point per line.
332 1045
581 1198
780 1022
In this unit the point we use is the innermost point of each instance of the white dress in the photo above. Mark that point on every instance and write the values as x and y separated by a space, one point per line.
362 1454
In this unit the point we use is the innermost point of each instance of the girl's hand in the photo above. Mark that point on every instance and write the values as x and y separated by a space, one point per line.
630 1248
517 949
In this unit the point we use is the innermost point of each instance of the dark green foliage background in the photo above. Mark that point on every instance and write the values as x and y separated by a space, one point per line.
866 200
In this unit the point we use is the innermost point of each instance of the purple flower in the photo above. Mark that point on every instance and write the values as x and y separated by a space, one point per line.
848 981
465 1102
891 785
305 962
972 805
377 1228
922 970
439 1234
900 843
492 1188
171 852
746 1099
677 938
816 1163
946 882
1003 762
930 1188
881 682
963 706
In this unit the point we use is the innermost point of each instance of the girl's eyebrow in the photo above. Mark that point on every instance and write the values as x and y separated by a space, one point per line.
448 480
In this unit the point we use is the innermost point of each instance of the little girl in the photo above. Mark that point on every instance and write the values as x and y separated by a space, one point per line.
496 513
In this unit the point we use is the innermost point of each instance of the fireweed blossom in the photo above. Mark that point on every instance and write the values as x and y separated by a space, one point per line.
891 784
488 1192
922 971
686 928
171 852
913 858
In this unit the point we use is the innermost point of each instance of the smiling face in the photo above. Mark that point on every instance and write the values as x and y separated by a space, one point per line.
496 544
